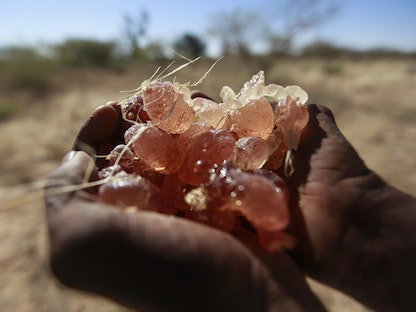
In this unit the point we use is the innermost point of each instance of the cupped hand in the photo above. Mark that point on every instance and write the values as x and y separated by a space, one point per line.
355 231
329 182
327 190
152 261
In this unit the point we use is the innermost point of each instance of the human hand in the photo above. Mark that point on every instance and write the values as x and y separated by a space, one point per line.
355 232
151 261
328 182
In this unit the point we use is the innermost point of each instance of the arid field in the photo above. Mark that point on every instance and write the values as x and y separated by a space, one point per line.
373 99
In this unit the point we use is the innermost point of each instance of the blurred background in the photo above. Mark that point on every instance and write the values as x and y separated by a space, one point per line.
59 60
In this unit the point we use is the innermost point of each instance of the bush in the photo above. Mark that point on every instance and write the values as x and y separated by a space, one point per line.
190 46
84 52
26 69
7 109
332 68
323 49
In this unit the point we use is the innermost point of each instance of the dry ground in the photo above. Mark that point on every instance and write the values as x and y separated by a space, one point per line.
374 102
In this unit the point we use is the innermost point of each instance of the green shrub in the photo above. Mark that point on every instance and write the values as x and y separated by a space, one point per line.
7 109
323 49
332 68
190 45
84 52
25 69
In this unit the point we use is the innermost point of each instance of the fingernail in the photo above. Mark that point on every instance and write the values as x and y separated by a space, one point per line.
69 156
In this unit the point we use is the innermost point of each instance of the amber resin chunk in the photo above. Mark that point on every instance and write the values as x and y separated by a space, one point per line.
193 132
125 190
207 150
259 198
209 162
210 112
167 108
251 153
254 119
157 149
291 118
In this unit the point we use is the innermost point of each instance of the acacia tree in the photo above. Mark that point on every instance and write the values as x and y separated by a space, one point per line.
295 18
275 24
135 30
236 30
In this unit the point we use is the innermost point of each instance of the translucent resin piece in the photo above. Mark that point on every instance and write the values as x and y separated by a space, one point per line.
251 91
133 109
174 191
126 159
167 109
208 149
291 118
158 150
254 119
122 154
251 153
297 93
125 190
210 111
256 197
193 132
278 148
109 171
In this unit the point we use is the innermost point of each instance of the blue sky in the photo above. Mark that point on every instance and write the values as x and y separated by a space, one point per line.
359 24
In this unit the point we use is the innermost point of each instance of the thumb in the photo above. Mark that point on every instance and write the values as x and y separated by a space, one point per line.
76 169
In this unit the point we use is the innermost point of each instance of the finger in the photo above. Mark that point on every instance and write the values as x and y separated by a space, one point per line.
324 159
320 126
316 109
72 170
148 259
335 151
279 263
105 128
284 270
321 119
76 169
98 129
324 117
